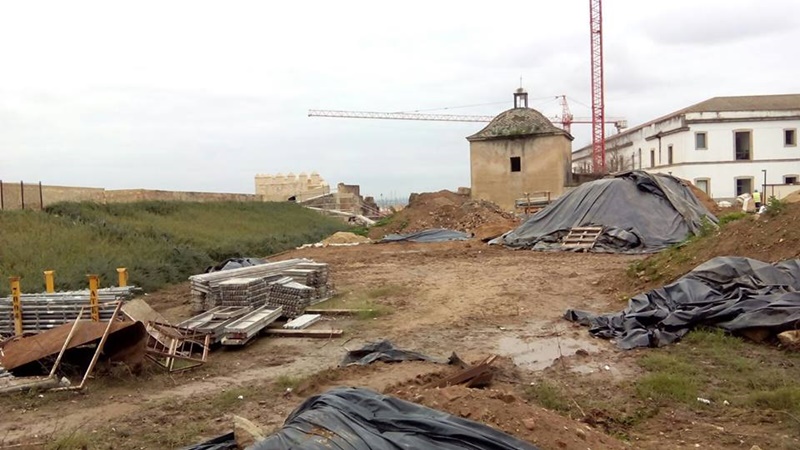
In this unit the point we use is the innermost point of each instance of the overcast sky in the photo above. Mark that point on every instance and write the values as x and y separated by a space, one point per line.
202 95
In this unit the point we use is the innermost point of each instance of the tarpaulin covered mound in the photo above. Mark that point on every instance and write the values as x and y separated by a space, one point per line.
639 213
360 419
731 293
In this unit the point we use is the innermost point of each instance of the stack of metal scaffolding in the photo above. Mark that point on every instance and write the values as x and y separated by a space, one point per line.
44 311
242 292
312 274
294 297
311 282
203 286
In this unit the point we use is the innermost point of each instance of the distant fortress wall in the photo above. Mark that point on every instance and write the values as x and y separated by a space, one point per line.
280 188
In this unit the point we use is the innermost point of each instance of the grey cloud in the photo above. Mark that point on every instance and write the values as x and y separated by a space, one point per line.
721 24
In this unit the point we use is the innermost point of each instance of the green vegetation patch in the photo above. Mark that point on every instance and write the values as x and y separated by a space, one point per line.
159 242
712 365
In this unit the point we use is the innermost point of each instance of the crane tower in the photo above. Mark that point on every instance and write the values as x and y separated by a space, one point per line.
598 109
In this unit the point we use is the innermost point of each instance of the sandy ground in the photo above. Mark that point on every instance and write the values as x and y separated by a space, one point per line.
461 297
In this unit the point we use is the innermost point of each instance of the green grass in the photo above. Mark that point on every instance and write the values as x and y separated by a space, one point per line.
732 217
75 440
370 302
159 242
548 395
229 398
713 365
284 382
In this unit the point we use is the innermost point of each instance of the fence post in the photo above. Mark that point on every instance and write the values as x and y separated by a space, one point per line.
123 276
22 194
49 283
16 301
94 283
2 204
41 197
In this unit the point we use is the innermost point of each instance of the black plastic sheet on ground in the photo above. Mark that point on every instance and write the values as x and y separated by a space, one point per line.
639 213
433 235
223 442
383 351
731 293
360 419
235 263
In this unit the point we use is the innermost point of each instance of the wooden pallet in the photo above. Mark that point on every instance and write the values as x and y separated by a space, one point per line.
582 237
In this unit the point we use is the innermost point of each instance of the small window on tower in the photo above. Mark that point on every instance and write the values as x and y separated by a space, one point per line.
516 164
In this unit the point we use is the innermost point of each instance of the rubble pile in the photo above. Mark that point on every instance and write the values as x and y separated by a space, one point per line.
448 210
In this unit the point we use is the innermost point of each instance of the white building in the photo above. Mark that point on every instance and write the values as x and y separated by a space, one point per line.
723 145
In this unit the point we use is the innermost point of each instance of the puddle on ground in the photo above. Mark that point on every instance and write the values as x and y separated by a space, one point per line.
540 353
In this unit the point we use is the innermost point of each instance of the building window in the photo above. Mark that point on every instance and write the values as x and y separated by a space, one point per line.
790 179
744 185
669 154
703 184
516 164
652 157
790 137
700 140
743 145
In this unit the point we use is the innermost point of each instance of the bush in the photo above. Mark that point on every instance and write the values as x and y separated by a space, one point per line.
775 206
731 217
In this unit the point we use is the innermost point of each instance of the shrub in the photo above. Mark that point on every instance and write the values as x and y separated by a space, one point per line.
731 217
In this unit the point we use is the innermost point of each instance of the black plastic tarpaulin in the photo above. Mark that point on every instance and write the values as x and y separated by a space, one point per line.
382 351
360 419
223 442
235 263
432 235
639 213
731 293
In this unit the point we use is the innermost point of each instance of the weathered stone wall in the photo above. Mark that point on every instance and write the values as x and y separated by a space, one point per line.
280 188
138 195
37 197
545 165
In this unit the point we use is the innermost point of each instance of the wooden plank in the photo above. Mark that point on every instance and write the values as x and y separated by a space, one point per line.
476 372
303 333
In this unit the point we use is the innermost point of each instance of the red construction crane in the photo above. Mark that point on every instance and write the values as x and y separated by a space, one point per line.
598 109
566 119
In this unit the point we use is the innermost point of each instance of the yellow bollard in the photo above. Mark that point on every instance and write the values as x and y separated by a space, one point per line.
123 276
49 283
17 305
94 284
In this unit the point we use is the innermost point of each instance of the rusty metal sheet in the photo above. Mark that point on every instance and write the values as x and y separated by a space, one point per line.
20 351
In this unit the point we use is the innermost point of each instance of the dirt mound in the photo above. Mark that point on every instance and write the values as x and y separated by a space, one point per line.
707 201
503 409
445 209
794 197
343 237
763 237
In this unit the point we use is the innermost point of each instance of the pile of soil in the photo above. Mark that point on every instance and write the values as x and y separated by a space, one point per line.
446 209
707 201
502 408
794 197
343 237
763 237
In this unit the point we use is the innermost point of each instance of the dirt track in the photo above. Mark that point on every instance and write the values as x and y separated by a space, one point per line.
461 297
